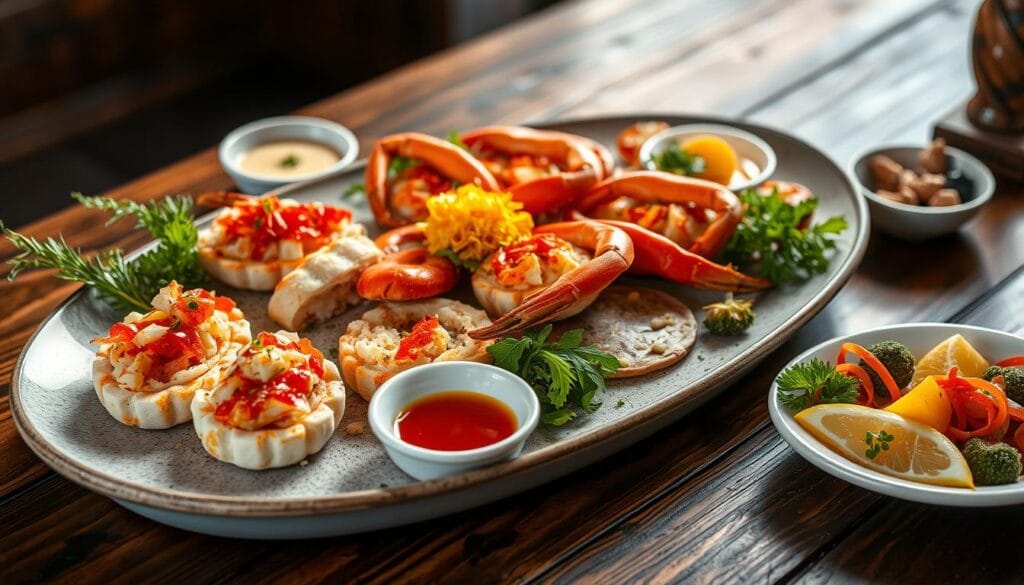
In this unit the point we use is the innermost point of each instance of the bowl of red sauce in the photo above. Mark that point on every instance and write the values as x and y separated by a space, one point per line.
448 417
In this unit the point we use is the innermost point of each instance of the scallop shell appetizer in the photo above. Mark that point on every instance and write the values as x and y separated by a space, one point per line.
280 405
258 240
373 348
324 284
150 366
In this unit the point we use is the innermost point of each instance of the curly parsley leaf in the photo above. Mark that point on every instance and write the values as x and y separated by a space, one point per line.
772 238
815 382
125 285
566 375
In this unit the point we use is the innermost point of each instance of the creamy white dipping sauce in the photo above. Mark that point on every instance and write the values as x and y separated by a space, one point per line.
288 158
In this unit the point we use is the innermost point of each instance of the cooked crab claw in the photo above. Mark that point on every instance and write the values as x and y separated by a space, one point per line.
657 255
668 204
544 170
400 199
551 276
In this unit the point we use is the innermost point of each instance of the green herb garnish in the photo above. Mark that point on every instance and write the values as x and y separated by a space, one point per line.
676 160
126 286
565 374
399 164
470 265
771 239
455 139
877 442
353 190
289 162
815 382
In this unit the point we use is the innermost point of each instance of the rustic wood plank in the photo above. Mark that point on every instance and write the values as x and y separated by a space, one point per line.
760 514
545 529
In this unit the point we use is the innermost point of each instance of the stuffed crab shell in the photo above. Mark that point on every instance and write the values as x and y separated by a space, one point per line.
149 366
510 275
397 336
282 403
257 240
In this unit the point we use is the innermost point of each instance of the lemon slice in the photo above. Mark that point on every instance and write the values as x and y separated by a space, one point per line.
888 443
955 351
720 160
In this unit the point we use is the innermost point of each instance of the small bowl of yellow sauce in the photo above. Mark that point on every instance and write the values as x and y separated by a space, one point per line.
268 153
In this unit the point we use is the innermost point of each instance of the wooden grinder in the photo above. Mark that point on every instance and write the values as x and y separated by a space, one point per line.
991 126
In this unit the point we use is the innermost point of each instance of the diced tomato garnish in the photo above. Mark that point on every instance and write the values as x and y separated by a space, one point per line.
223 304
421 335
542 245
265 221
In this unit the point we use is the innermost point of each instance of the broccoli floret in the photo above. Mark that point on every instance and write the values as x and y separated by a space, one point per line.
992 464
729 317
1014 378
897 359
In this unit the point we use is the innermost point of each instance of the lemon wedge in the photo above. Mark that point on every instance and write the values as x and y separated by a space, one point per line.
955 351
888 443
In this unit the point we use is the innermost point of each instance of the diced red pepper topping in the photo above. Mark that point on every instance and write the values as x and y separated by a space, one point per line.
287 387
421 335
265 221
541 245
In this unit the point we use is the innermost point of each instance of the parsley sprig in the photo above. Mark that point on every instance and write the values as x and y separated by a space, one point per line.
681 162
125 285
815 382
771 239
565 374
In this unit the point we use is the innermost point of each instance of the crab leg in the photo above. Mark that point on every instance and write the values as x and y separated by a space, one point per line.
449 160
661 187
655 254
575 290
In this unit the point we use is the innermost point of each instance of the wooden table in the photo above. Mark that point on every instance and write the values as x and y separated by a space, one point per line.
716 497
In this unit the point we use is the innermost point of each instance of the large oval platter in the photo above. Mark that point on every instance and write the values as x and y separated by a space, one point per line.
351 485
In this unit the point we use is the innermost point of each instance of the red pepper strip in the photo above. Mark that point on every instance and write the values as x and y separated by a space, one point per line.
964 392
865 381
1015 410
873 363
1018 436
1017 360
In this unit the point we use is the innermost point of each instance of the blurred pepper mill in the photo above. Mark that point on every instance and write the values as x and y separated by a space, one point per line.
997 54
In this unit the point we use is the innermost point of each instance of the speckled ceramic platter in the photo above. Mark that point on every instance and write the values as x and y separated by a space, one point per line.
351 485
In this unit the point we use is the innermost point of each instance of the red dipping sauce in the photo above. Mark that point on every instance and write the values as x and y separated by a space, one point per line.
455 421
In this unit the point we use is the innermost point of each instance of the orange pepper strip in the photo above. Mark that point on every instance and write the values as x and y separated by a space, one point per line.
873 363
865 381
1017 360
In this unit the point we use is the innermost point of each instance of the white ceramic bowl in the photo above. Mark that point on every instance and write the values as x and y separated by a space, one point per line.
920 222
427 379
746 145
242 139
919 338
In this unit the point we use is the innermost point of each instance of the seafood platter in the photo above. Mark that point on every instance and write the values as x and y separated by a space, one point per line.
452 321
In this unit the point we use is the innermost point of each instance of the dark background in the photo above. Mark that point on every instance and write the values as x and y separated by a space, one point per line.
96 92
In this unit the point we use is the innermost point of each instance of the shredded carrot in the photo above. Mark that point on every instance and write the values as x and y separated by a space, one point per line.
968 394
865 381
1017 360
873 363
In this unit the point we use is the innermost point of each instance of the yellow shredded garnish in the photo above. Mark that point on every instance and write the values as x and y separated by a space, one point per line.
472 222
